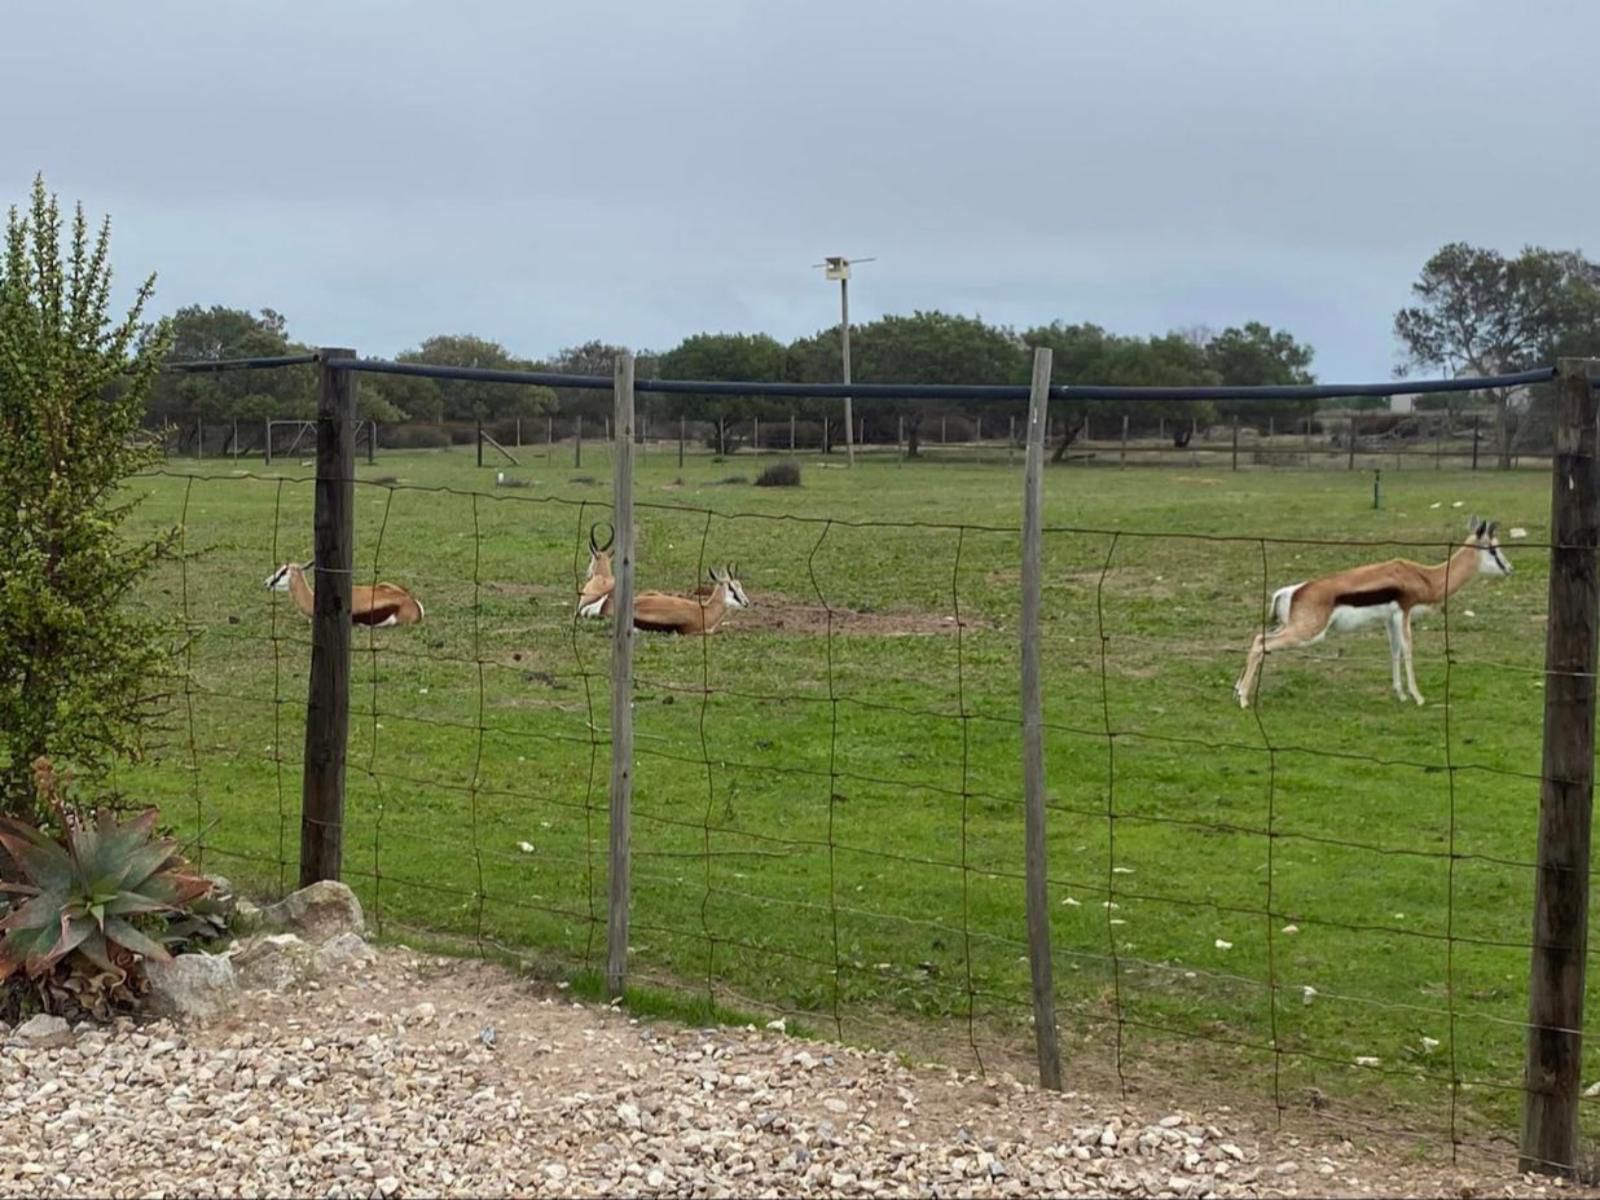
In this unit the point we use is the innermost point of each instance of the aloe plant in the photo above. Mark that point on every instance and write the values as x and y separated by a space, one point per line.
75 900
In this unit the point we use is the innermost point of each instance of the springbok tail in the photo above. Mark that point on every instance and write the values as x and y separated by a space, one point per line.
1279 609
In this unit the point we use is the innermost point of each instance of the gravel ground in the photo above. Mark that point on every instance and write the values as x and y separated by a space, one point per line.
419 1076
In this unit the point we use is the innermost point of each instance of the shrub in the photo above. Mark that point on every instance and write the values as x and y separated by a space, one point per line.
76 935
780 474
80 673
412 437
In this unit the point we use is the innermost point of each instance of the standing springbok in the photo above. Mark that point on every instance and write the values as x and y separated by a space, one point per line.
379 605
661 612
1392 591
594 599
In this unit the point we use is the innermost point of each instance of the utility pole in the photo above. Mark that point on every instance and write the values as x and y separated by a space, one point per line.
836 266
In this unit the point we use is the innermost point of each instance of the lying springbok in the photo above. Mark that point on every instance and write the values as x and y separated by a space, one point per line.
1392 591
594 599
661 612
378 605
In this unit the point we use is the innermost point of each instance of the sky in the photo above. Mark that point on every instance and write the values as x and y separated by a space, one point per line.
542 174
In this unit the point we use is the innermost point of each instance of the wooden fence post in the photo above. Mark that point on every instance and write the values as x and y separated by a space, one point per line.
199 437
372 442
755 438
328 691
268 451
1011 439
1235 441
791 431
1475 441
549 436
683 436
621 681
1566 788
577 444
479 439
519 433
1350 464
1124 439
1036 863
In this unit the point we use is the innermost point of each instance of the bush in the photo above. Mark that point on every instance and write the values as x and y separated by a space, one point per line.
780 474
81 674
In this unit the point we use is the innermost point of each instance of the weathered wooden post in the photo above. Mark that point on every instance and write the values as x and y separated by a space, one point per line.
620 869
328 689
1566 786
1036 865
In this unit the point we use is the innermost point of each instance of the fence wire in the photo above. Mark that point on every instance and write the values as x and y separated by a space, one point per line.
760 927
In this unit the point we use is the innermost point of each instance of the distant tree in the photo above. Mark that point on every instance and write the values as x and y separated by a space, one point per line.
80 670
1257 356
724 357
215 333
925 347
1087 354
1477 311
429 399
599 358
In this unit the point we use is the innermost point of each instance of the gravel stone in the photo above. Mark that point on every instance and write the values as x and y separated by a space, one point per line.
377 1084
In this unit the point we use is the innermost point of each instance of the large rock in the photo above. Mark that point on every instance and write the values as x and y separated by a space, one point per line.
346 950
274 961
192 987
42 1032
317 913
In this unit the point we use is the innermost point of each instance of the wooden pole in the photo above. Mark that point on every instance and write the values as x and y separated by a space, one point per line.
372 442
942 422
1308 441
722 437
1438 447
1011 439
577 444
844 354
519 433
978 436
480 441
328 691
1474 441
1037 886
900 435
791 431
236 439
683 436
1566 788
199 437
621 682
1235 441
1350 463
267 453
549 436
755 437
1124 439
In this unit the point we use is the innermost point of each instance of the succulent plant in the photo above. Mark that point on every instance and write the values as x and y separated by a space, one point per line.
77 901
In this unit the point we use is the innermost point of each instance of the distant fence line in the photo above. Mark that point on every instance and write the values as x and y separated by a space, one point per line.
1357 440
1558 948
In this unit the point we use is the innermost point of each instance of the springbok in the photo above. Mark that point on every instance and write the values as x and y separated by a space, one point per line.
661 612
594 599
1393 591
379 605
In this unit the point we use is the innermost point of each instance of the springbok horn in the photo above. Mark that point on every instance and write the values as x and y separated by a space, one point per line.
601 549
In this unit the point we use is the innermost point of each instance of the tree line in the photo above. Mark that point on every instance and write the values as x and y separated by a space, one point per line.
1473 310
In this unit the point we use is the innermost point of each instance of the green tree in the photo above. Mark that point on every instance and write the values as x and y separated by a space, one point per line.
1478 312
464 399
1258 356
754 358
80 672
216 333
599 358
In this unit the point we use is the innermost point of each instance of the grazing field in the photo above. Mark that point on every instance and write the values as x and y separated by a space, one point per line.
834 780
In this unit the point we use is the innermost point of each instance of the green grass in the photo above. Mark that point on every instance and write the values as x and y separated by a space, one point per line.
826 801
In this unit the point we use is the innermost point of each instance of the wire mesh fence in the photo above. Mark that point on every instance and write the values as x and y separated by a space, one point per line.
1323 902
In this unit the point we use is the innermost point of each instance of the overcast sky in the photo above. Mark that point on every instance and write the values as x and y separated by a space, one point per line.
544 173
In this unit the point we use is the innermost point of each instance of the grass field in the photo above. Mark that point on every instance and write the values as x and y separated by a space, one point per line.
805 797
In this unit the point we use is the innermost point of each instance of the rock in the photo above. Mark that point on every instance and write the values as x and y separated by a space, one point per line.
345 950
192 987
274 962
318 913
43 1032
